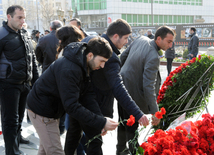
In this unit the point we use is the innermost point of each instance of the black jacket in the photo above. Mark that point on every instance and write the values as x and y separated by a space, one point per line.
63 86
46 50
17 59
170 53
108 84
193 45
151 36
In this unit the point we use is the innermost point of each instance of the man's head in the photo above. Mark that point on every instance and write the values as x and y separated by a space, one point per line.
192 30
16 17
47 32
37 33
149 32
118 32
98 52
164 37
76 22
55 25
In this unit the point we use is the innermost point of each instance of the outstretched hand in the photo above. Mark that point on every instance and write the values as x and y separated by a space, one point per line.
155 120
143 121
110 124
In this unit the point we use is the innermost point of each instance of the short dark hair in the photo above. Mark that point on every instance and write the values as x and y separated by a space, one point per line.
47 31
99 46
67 35
79 23
163 31
56 24
120 27
193 29
11 9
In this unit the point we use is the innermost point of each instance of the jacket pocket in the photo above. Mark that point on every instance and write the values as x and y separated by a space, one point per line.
6 68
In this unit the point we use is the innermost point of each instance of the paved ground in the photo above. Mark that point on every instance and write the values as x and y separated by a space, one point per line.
110 140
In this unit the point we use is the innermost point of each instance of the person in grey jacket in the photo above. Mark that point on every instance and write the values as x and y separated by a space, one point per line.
170 55
140 73
193 43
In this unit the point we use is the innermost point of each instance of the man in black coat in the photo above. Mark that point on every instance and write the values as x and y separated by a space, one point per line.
193 43
47 46
107 84
65 86
17 69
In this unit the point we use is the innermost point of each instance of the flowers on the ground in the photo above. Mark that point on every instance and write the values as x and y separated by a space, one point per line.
180 81
187 139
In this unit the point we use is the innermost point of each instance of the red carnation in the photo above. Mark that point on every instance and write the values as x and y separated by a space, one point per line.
199 57
163 111
158 115
131 120
0 132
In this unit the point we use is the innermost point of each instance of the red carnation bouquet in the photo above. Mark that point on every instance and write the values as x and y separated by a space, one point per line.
186 139
179 82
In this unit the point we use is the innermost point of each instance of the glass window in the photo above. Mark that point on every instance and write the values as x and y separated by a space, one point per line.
123 0
96 6
81 6
161 19
170 19
134 0
170 1
191 19
145 19
179 19
135 20
183 19
124 16
86 6
91 6
161 2
165 19
155 19
140 19
175 19
187 19
140 0
145 1
129 18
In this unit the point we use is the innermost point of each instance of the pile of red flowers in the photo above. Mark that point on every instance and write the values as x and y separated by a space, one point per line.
187 139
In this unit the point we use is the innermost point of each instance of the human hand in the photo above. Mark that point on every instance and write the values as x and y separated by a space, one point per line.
110 124
191 55
155 120
104 132
143 121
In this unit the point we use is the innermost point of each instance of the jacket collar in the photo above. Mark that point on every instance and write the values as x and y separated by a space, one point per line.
11 30
192 34
153 43
112 45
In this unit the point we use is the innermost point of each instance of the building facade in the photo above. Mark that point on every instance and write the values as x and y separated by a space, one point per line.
98 14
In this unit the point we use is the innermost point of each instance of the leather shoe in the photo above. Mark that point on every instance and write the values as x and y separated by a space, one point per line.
24 140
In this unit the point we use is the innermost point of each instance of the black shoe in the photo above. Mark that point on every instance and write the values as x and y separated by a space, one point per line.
24 140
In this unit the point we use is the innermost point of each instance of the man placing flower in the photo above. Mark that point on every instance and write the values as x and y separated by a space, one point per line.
141 78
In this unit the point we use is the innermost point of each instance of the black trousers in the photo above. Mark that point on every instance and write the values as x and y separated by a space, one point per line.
13 102
75 129
126 133
169 65
74 134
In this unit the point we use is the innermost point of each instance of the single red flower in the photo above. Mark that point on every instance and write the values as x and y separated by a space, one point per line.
199 57
131 120
163 111
159 115
0 132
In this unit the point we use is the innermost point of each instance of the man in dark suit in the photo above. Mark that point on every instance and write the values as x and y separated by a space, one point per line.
47 45
140 73
193 43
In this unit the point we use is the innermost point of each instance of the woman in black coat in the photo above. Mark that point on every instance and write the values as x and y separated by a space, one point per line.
170 55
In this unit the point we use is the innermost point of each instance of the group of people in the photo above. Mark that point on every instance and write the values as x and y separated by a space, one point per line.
81 76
